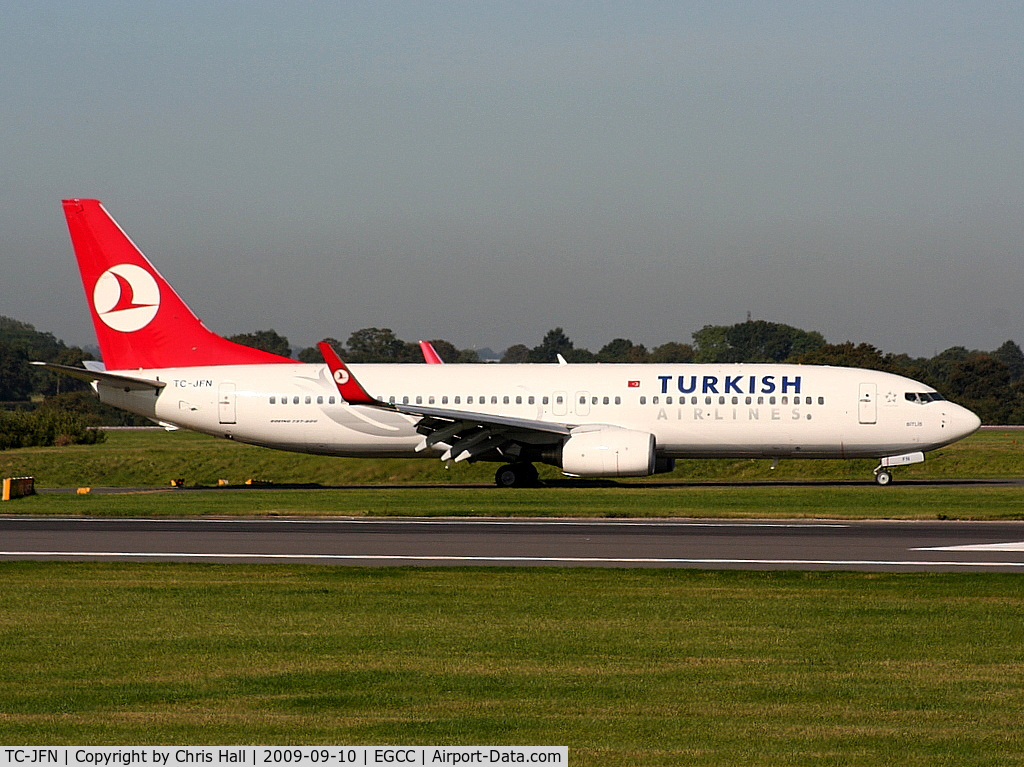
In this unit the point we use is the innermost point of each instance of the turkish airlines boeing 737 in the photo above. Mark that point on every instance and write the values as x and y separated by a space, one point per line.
602 420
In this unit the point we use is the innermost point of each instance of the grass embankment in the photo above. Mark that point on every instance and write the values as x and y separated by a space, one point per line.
624 667
134 459
153 458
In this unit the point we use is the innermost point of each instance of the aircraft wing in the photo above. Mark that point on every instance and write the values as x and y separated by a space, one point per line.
491 419
112 379
470 435
467 434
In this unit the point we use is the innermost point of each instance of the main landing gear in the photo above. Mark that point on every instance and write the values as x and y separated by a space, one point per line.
516 475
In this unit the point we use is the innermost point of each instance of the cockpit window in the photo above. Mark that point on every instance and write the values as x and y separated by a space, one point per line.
923 397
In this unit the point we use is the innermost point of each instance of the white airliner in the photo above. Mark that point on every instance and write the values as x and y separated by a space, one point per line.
591 420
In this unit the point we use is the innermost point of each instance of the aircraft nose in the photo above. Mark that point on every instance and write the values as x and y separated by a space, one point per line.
965 422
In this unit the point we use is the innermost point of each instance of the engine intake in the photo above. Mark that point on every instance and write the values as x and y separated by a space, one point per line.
608 451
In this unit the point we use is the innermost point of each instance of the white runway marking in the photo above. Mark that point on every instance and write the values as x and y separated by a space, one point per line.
1018 546
510 560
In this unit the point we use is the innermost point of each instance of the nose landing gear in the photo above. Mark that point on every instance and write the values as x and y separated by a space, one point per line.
882 474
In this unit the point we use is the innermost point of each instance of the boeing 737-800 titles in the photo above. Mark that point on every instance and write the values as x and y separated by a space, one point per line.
591 420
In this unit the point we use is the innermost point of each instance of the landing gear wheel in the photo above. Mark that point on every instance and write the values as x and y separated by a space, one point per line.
516 475
883 477
507 476
529 474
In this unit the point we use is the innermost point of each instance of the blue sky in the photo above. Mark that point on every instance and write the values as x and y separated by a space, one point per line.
483 172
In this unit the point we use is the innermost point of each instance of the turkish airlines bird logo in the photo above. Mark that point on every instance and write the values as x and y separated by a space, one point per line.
126 298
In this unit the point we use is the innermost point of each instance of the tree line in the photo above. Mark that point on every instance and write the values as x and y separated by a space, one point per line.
989 382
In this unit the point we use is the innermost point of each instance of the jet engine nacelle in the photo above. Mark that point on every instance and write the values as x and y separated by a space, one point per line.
608 451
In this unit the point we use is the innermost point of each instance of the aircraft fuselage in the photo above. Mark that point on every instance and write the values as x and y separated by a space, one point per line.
775 411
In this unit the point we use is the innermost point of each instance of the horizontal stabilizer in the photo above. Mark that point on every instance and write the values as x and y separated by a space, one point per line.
111 379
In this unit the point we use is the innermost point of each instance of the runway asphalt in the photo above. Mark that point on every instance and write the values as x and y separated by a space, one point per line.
889 546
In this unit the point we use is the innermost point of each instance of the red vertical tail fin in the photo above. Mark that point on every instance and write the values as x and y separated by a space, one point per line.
430 355
140 321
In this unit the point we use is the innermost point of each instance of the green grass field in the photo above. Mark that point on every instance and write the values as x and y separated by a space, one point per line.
625 667
743 502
